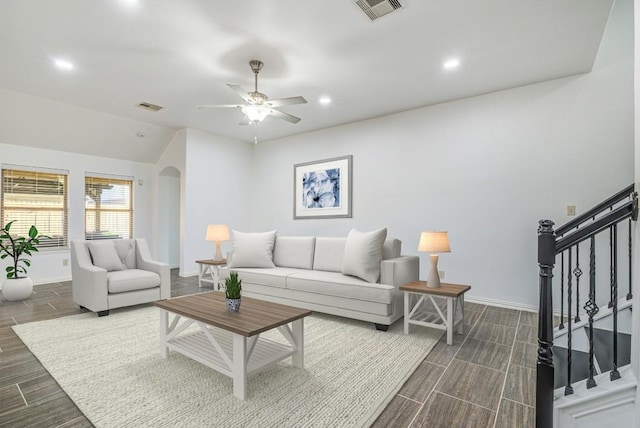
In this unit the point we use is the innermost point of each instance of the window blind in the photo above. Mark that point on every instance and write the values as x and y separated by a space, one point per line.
108 208
32 197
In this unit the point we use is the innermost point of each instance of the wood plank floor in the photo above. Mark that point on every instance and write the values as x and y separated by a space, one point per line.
485 379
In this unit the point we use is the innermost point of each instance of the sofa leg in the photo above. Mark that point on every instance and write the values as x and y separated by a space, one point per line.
381 327
103 313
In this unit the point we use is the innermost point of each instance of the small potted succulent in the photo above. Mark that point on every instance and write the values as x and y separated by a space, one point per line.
17 285
233 289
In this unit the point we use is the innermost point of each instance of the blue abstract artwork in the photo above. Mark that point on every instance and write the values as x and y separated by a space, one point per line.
321 189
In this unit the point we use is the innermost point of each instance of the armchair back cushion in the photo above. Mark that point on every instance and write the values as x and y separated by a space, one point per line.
104 255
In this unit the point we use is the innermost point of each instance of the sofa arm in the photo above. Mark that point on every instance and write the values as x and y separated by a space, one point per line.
400 270
144 262
88 282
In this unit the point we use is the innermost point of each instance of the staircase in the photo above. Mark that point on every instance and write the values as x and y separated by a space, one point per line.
584 376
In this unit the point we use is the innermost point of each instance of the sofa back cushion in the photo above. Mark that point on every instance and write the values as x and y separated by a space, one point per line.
329 254
294 251
391 248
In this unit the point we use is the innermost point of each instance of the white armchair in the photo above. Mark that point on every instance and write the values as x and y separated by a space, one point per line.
114 273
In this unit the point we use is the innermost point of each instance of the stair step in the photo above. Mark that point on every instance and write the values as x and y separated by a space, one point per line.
579 366
603 349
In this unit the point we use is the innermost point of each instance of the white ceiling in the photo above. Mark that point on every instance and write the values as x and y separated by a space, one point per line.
179 54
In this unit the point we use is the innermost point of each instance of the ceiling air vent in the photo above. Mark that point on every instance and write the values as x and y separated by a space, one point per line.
149 106
374 9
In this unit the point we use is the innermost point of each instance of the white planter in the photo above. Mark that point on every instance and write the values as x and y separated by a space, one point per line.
17 289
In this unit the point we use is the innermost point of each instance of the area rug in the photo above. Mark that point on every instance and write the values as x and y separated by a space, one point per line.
112 369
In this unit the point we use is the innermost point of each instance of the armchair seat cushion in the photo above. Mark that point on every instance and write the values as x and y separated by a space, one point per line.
131 279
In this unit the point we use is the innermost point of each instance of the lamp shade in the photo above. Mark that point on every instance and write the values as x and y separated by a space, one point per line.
434 242
218 232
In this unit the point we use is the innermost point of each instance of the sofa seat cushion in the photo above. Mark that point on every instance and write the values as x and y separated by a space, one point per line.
275 277
122 281
337 284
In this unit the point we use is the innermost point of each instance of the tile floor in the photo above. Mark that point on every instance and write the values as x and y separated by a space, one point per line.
485 379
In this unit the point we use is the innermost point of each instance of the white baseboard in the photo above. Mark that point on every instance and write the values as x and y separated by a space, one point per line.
50 280
501 303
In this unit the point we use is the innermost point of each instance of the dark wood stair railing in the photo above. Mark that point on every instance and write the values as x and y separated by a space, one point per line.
605 216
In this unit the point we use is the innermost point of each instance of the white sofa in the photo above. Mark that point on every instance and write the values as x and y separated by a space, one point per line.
308 274
115 273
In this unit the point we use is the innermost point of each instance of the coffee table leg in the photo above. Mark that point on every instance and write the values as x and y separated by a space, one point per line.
240 366
297 359
164 325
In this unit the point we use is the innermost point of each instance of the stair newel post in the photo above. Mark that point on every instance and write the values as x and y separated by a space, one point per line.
578 273
568 389
544 366
591 307
615 374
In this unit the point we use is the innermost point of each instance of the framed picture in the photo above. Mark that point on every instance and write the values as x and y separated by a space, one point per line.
322 189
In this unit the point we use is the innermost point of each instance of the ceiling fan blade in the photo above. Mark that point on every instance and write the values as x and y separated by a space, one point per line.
220 106
284 116
245 96
285 102
245 120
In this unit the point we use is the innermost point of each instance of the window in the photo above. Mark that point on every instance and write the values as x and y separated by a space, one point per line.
33 196
108 208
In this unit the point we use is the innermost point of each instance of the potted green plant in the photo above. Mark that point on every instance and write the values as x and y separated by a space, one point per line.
233 289
17 285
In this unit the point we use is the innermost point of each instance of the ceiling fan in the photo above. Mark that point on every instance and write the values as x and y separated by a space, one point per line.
257 105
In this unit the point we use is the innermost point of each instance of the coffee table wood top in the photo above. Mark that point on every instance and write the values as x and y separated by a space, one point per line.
446 290
255 316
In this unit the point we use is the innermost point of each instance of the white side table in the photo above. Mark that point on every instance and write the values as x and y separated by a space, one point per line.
210 272
418 315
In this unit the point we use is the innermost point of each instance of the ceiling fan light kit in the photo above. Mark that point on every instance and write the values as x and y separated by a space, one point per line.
257 105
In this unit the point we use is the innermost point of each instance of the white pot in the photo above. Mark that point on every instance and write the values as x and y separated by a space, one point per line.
17 289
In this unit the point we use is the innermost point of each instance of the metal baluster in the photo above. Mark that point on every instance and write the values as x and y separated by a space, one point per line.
568 389
614 300
591 307
629 295
611 268
578 273
561 326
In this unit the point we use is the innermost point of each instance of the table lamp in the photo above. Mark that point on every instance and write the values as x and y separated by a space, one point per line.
434 242
218 233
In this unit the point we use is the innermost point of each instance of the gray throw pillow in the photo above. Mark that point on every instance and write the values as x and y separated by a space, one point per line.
252 250
363 254
104 255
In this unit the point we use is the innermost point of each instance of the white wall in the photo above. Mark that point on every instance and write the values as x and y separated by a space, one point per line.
217 186
47 265
485 168
168 234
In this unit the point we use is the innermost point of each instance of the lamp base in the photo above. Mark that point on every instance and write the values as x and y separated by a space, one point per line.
218 256
433 278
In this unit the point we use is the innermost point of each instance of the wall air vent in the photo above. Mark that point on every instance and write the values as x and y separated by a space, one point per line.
149 106
374 9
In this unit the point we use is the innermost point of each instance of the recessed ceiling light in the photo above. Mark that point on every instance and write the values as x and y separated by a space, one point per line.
324 100
63 64
451 64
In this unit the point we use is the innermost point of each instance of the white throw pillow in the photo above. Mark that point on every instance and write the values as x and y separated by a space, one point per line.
363 254
105 256
252 250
